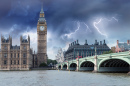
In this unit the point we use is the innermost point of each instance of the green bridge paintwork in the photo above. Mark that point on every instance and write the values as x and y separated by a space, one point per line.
122 58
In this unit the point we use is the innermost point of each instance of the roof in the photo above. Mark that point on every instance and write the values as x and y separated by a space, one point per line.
15 47
42 9
5 40
124 45
42 19
24 41
88 47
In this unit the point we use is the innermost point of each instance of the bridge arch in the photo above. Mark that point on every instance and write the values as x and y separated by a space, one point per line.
59 67
73 66
64 66
114 65
86 66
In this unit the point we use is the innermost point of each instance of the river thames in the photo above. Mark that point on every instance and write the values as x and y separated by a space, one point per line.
62 78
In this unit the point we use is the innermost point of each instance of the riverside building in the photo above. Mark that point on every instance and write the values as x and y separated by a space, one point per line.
22 57
76 50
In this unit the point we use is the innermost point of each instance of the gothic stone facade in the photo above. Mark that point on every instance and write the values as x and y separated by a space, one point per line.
15 57
21 57
42 39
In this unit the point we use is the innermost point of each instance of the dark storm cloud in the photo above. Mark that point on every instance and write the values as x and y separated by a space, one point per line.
63 18
62 11
59 12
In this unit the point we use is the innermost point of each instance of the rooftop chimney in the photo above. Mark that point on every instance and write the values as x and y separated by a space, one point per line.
77 42
104 42
73 43
95 41
117 42
128 41
86 42
100 42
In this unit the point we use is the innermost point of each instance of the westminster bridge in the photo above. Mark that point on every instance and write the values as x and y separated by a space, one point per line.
114 62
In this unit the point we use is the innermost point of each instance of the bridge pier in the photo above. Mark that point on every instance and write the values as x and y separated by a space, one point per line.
77 69
61 67
67 65
129 71
95 65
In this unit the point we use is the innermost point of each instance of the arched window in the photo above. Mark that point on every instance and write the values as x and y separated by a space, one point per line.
24 47
24 61
24 55
5 47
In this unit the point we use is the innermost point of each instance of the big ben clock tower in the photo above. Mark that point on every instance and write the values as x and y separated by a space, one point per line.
42 39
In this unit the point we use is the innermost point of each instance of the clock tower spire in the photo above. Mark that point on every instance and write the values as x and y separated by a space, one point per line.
42 38
42 9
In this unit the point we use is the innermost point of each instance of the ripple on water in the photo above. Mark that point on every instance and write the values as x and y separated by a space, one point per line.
62 78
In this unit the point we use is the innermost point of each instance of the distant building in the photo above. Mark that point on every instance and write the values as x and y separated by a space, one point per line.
76 50
121 47
113 49
60 56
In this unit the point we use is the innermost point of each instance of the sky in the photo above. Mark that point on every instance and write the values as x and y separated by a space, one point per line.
67 21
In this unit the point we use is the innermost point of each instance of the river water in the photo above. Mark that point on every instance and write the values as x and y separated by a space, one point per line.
62 78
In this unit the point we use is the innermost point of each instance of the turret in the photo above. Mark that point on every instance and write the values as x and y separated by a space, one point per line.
128 41
1 38
100 42
6 43
69 45
86 42
73 43
77 42
104 42
96 43
29 39
42 17
21 38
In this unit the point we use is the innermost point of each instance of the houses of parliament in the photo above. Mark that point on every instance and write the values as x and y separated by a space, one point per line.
22 57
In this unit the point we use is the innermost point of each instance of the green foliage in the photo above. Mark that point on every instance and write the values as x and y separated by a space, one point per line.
107 52
51 61
43 65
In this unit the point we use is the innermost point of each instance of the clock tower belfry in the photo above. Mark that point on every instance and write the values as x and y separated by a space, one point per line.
41 39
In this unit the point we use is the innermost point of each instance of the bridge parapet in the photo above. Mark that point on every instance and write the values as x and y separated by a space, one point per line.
97 60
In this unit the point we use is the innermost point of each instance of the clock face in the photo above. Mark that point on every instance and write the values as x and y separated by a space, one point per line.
42 28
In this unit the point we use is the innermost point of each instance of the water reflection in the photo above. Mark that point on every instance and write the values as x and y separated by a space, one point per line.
62 78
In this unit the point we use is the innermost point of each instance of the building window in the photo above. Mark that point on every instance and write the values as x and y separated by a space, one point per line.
14 55
35 62
5 55
24 47
24 61
14 62
5 62
18 61
5 47
11 62
24 55
18 55
11 55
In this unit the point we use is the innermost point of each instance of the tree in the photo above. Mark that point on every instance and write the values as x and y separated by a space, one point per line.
43 65
51 61
107 52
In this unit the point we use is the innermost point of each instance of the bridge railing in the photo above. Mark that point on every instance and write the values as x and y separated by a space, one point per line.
104 55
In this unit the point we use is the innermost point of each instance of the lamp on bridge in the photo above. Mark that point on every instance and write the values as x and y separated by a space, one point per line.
95 51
